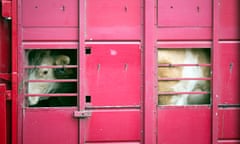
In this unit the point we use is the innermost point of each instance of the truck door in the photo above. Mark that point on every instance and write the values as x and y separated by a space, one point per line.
80 66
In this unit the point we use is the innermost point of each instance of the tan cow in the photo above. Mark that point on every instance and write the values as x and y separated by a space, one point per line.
183 56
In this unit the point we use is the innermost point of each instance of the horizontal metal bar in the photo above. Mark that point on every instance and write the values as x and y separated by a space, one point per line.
112 42
181 65
180 93
56 80
184 44
50 45
52 95
229 141
5 76
114 107
174 79
199 106
51 66
115 142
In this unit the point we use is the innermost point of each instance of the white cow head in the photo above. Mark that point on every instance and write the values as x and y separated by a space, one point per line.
43 58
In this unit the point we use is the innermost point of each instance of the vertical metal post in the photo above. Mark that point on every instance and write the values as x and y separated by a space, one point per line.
81 66
14 58
215 71
150 94
3 118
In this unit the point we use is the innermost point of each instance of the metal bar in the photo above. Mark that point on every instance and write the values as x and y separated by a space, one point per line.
184 44
52 45
52 94
14 51
51 66
179 93
150 73
174 79
56 80
3 112
114 107
82 68
175 65
227 141
203 106
215 70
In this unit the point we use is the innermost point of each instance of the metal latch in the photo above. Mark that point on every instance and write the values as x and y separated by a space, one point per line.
82 114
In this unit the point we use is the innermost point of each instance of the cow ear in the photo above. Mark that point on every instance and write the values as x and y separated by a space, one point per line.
62 60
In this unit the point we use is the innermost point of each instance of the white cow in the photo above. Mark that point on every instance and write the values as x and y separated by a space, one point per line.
183 56
43 58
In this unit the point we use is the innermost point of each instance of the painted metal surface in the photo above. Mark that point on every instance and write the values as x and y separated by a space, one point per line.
113 74
112 100
192 125
229 20
229 53
118 20
117 80
49 126
184 13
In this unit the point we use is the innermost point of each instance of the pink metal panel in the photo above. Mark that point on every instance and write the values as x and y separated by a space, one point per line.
111 20
47 34
114 74
53 126
114 126
229 19
185 13
184 20
5 58
42 13
184 33
50 20
230 79
229 124
185 125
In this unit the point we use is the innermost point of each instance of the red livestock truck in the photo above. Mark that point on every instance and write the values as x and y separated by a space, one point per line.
119 72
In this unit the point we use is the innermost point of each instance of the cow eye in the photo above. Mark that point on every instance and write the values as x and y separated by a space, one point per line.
45 72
